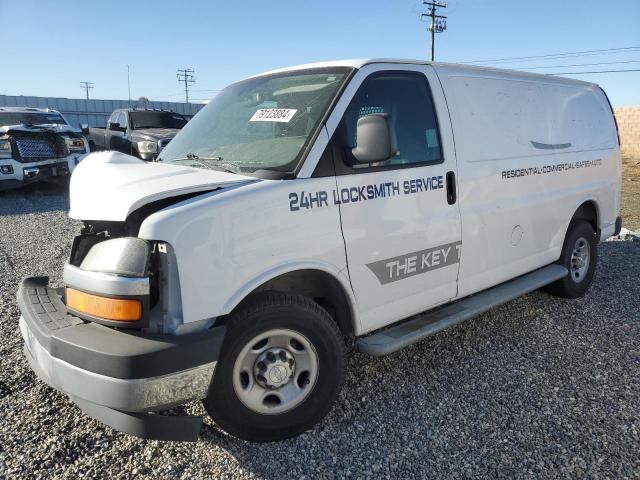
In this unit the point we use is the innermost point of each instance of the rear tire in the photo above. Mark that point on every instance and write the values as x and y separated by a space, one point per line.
579 256
271 390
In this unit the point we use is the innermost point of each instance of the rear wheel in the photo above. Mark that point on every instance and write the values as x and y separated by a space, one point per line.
280 369
579 256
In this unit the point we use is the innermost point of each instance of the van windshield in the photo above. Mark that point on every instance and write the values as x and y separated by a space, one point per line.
262 123
30 118
150 119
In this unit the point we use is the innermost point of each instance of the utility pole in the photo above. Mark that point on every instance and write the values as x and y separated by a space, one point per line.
129 85
185 75
87 86
437 23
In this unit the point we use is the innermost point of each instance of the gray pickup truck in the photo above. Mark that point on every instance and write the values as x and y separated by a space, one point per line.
142 133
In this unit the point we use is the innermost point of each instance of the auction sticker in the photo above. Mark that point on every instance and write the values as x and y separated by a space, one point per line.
273 115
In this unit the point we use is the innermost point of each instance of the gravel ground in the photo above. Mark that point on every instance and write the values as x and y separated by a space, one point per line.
631 193
540 387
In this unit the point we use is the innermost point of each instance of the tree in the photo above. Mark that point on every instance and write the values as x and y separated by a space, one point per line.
143 99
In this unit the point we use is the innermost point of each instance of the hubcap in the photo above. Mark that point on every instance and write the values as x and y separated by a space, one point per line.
580 257
275 371
274 367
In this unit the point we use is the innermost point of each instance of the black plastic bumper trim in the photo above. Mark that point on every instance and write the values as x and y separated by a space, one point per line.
618 226
183 428
107 351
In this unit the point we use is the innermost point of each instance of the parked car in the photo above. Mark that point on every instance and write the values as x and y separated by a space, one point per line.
36 144
309 204
139 132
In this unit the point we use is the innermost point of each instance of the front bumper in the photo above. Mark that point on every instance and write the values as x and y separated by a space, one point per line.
117 376
25 173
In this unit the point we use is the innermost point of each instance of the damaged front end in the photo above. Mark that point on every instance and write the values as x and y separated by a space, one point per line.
120 377
108 258
112 338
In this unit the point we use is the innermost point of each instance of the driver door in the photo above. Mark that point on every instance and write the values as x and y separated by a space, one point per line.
401 225
117 139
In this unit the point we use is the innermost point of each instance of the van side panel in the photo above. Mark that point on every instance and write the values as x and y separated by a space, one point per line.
530 151
503 118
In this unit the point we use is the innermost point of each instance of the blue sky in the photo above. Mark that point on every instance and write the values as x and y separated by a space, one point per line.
50 46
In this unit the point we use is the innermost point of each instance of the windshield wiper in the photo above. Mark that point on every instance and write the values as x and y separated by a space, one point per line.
192 156
210 163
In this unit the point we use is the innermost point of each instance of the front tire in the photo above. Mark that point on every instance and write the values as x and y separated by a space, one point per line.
280 368
579 256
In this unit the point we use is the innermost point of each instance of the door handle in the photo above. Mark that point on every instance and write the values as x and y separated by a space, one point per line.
451 188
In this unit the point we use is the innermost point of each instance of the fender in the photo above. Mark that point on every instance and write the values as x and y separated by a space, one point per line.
586 198
336 273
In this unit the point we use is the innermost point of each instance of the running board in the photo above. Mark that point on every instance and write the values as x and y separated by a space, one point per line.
406 333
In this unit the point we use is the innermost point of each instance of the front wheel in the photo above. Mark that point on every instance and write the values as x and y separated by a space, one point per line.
579 256
280 368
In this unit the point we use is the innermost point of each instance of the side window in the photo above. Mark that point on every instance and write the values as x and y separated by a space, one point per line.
122 119
406 99
113 118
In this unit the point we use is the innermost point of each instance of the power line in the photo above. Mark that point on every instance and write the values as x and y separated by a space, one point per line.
566 57
437 23
129 84
87 86
185 75
190 91
578 65
604 51
177 94
595 71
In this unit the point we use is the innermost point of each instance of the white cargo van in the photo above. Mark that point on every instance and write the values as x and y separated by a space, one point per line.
310 204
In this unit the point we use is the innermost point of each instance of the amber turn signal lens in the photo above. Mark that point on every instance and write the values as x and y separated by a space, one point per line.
124 310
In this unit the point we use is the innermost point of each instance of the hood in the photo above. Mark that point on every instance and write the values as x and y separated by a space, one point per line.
111 185
53 128
155 133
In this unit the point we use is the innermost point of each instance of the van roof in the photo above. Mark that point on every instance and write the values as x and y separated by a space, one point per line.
359 63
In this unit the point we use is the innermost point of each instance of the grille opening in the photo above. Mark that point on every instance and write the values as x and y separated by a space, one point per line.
38 147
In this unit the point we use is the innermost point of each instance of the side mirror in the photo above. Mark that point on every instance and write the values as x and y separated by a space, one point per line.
375 141
114 126
85 128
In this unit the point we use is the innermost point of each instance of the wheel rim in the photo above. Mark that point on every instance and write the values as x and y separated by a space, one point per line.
275 371
580 258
